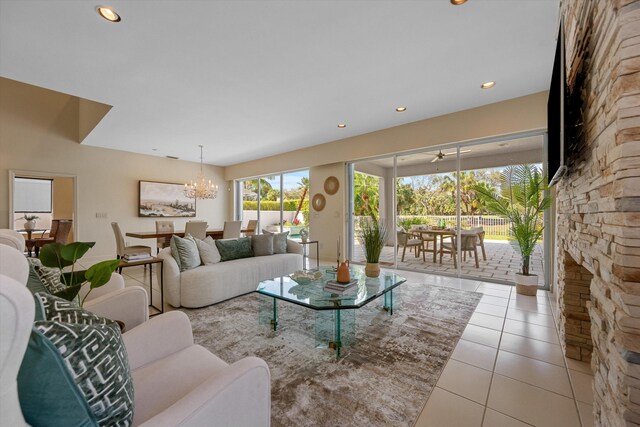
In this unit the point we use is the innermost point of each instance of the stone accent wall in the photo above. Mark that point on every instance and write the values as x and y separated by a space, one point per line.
598 202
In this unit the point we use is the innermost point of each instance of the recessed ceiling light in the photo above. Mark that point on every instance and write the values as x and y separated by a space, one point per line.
342 125
487 85
108 14
401 109
457 2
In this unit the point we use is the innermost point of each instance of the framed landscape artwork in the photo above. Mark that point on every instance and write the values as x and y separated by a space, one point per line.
162 199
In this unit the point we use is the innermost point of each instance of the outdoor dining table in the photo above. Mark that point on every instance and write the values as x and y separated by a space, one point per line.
432 235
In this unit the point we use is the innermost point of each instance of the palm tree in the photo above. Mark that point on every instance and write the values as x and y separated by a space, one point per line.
366 195
303 188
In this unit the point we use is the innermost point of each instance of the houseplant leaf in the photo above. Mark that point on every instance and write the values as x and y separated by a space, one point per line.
69 293
76 250
99 274
51 256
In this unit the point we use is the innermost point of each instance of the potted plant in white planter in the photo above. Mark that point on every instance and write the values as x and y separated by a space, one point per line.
30 221
522 201
373 236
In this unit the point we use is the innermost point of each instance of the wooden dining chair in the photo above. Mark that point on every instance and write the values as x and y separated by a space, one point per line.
197 229
60 229
231 229
411 241
164 227
479 231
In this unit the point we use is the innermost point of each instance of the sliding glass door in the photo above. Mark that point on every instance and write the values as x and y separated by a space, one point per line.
438 222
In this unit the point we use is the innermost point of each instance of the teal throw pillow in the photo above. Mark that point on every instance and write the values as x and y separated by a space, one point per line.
50 277
279 242
185 252
34 284
262 244
231 249
75 373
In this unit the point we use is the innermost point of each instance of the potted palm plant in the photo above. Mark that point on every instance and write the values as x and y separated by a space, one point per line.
522 201
372 236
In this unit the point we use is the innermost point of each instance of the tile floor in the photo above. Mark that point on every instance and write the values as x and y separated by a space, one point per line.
507 369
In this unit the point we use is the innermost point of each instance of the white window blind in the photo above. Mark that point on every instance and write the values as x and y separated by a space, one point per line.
32 195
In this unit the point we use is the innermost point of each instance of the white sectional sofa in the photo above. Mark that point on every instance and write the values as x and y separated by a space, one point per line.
212 283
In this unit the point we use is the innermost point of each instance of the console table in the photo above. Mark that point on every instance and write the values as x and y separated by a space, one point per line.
149 262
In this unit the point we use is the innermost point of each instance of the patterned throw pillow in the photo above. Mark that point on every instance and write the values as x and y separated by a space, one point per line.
209 253
231 249
279 242
185 252
75 373
50 277
262 244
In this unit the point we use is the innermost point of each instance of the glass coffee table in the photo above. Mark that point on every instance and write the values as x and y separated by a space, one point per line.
332 307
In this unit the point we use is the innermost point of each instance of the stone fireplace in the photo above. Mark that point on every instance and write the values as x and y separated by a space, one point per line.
598 204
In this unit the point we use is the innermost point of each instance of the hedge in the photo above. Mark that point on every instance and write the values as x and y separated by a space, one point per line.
269 205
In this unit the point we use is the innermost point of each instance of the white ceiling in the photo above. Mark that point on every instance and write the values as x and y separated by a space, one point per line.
248 79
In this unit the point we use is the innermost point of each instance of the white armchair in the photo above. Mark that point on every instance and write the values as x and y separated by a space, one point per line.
179 383
175 381
12 238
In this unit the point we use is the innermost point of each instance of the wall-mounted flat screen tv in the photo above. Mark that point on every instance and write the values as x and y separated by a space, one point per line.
556 156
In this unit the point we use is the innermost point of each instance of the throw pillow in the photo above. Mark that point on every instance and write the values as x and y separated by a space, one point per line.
50 277
231 249
185 252
279 242
34 284
75 373
209 253
262 244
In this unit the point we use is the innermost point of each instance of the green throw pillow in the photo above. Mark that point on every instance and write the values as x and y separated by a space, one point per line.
231 249
50 277
75 373
185 252
279 241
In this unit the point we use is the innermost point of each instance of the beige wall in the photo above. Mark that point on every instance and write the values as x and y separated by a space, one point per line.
32 138
328 225
63 200
527 113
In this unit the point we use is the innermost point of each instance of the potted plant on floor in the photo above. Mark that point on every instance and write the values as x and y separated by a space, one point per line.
57 255
372 236
522 201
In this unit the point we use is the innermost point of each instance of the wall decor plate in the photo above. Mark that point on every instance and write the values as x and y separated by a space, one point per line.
318 202
331 185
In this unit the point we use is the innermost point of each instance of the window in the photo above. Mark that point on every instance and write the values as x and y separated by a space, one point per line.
32 195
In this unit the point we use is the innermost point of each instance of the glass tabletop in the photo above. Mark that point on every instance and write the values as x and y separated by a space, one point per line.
313 295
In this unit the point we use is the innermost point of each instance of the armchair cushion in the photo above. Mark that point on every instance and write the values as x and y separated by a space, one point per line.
76 372
34 284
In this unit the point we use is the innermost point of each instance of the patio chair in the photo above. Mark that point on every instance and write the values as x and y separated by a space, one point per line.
411 241
451 247
479 231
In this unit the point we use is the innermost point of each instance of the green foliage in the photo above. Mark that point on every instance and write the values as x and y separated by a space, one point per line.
373 236
406 223
61 256
522 201
366 195
267 205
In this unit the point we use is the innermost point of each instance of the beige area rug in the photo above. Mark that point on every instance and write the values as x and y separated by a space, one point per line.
383 379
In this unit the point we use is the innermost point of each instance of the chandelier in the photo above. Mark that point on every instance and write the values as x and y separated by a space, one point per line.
200 188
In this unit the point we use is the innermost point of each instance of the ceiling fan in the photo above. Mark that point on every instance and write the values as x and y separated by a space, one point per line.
441 155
